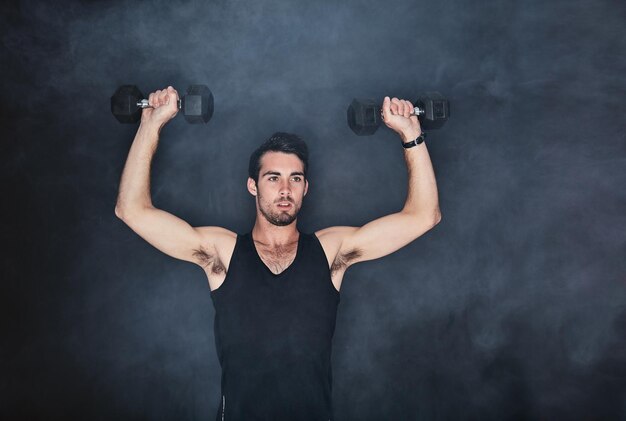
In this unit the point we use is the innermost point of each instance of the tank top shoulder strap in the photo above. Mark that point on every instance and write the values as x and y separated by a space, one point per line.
314 250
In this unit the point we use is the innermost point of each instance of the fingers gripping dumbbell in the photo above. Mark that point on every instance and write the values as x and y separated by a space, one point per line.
364 115
196 106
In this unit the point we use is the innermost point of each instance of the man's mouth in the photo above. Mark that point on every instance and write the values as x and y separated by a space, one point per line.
284 205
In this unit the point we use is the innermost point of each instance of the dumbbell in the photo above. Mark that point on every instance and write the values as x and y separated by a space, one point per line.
128 101
431 108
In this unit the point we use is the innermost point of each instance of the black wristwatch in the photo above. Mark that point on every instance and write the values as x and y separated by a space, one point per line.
415 142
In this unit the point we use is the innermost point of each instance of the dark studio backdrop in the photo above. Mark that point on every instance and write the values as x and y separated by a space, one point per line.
513 307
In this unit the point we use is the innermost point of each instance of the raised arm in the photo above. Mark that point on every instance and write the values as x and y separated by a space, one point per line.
163 230
420 213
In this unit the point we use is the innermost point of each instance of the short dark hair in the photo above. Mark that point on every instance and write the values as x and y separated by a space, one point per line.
279 142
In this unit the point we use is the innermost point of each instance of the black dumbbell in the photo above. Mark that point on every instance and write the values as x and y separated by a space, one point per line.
431 108
128 101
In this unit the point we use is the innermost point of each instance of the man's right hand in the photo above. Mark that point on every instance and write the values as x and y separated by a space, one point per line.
164 105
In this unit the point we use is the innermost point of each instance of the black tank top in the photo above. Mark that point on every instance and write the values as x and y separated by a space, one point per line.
273 335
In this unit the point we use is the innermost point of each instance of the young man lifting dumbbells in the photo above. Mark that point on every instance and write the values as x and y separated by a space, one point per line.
275 289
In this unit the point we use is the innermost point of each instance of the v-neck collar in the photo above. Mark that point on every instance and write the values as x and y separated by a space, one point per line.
288 268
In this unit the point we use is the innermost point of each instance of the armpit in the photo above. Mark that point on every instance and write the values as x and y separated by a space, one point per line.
209 259
344 259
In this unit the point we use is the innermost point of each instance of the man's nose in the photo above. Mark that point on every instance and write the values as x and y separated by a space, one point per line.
285 189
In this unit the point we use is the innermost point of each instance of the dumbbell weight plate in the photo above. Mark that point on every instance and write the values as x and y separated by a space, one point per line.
436 110
364 116
197 104
124 104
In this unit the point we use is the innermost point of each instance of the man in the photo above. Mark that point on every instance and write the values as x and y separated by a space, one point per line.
276 290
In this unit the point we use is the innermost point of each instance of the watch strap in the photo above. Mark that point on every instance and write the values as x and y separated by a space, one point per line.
415 142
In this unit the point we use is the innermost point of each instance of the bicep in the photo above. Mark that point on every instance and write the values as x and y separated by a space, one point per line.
383 236
175 237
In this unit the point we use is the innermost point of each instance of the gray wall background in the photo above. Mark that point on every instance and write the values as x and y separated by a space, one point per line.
513 307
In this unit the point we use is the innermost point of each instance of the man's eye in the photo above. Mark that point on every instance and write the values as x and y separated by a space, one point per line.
298 179
273 178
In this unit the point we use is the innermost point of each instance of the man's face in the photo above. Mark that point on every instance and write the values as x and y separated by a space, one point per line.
281 187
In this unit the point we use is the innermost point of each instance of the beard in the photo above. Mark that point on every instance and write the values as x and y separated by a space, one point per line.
277 217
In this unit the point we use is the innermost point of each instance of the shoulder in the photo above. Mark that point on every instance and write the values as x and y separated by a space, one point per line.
216 236
334 235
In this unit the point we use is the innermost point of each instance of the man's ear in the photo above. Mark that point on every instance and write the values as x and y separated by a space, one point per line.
252 186
306 186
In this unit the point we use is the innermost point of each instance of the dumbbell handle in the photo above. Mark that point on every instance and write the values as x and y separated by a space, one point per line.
416 111
145 104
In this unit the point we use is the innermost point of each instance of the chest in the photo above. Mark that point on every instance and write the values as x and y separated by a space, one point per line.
277 258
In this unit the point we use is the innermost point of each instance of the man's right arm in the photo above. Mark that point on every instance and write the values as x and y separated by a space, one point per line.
163 230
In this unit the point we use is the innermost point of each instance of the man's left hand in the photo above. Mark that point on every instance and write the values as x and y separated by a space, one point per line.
397 115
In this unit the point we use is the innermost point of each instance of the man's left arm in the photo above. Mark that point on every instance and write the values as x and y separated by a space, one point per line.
420 213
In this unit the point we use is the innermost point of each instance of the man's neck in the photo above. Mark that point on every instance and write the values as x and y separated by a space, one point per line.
273 235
